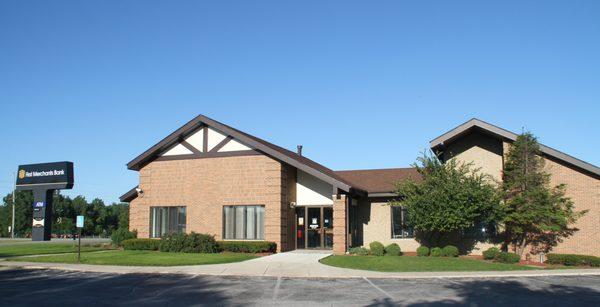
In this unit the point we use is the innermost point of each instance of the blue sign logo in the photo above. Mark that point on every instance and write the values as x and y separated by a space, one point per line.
39 204
79 221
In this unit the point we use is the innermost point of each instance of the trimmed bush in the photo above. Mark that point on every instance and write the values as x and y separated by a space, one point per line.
248 246
505 257
360 251
393 250
141 244
573 260
491 253
189 243
200 243
122 234
423 251
450 251
436 252
377 249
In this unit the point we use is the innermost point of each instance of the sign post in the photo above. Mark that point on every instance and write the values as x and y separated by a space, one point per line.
79 224
43 179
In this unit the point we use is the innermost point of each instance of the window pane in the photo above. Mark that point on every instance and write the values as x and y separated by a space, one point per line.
260 222
173 215
165 220
250 222
229 222
164 223
181 220
153 222
239 222
400 228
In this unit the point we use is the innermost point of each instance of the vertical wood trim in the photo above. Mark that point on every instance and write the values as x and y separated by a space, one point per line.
205 139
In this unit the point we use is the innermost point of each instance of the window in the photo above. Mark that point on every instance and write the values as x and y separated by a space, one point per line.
165 220
400 229
244 222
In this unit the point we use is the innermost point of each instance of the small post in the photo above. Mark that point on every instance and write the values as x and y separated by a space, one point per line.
79 248
79 224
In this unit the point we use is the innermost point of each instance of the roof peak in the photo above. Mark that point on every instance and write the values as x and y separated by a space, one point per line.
502 133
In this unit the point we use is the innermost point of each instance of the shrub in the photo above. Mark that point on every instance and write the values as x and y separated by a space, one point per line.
571 259
393 250
377 249
141 244
423 251
248 246
174 242
189 243
508 257
491 253
360 251
200 243
450 251
122 234
436 252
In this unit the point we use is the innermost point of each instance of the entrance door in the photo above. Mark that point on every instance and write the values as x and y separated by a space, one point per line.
314 227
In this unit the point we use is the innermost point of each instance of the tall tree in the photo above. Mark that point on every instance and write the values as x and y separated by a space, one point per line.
451 204
536 215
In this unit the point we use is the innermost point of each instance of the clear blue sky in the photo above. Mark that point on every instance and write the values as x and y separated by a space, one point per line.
360 84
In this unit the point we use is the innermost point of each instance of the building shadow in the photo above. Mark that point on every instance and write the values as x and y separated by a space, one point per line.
513 292
63 288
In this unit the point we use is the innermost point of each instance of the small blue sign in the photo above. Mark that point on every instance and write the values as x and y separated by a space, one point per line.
79 221
39 204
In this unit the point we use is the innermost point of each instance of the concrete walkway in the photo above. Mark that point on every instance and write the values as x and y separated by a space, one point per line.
289 264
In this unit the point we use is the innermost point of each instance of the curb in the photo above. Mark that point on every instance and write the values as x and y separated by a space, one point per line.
370 274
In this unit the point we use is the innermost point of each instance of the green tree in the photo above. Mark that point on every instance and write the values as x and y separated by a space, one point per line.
450 205
23 213
535 215
99 218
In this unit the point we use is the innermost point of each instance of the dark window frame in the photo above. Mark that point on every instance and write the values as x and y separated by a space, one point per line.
245 223
174 217
406 231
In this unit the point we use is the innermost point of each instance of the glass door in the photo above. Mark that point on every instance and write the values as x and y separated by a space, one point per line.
300 228
328 227
313 227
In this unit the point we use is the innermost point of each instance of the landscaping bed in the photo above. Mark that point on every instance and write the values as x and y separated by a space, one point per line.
142 258
418 264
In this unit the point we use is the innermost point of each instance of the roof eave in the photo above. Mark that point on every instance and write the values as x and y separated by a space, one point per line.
449 136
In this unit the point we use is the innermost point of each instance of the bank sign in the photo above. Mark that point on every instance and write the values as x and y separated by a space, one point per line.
56 174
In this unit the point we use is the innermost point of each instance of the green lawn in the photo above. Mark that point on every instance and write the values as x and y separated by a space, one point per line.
24 249
418 264
144 258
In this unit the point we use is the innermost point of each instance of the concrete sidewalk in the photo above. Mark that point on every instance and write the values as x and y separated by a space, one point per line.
289 264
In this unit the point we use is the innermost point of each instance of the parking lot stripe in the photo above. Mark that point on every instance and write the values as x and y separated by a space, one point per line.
379 289
276 290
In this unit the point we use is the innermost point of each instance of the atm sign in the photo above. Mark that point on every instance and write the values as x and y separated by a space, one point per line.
38 204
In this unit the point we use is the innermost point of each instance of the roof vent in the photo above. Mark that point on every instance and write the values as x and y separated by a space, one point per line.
299 150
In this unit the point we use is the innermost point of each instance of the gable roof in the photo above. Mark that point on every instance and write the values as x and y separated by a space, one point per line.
279 153
440 141
379 181
129 195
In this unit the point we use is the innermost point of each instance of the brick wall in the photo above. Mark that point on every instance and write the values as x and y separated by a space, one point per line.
340 225
204 186
584 191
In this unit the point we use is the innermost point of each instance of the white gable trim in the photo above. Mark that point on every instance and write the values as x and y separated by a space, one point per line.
177 150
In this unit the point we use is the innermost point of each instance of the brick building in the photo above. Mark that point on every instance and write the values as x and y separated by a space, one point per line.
211 178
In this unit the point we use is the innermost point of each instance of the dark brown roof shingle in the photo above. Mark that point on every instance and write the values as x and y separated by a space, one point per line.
379 180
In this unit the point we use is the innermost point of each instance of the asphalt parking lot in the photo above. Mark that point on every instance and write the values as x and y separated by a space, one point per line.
65 288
